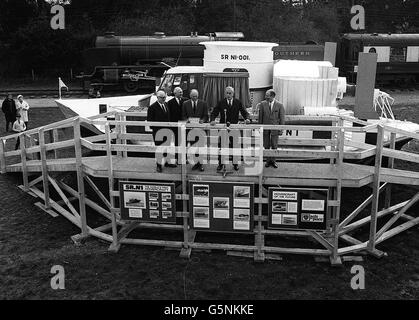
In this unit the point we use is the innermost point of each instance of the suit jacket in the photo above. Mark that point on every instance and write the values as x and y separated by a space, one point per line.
201 111
276 116
175 109
231 112
9 109
156 113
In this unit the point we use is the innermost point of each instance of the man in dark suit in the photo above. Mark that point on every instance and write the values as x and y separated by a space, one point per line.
159 112
229 109
175 110
271 112
9 109
195 108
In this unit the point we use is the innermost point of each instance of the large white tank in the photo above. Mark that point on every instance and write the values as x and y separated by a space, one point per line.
255 57
306 87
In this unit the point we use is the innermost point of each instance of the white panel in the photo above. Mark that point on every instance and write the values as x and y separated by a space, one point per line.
383 53
412 54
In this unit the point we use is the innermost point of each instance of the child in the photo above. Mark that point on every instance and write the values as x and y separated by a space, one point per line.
18 126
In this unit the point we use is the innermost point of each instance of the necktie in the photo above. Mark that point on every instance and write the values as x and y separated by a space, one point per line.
164 108
194 107
229 103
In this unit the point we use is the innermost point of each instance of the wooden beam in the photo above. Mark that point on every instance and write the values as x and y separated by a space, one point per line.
361 207
23 161
376 188
44 167
2 156
98 192
115 243
390 165
80 174
64 198
397 216
400 228
366 220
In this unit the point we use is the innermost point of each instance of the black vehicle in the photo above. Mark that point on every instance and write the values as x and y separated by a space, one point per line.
137 61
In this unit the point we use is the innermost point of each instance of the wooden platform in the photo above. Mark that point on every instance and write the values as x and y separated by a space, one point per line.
353 175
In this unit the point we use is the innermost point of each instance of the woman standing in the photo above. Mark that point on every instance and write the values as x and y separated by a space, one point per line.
22 108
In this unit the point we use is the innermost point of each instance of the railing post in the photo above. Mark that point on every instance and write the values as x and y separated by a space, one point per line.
80 178
390 164
55 139
186 250
259 237
2 157
375 188
115 243
44 168
335 259
23 160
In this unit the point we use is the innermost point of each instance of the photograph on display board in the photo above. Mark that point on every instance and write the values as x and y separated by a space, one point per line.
221 208
201 195
279 206
135 213
154 214
201 217
241 219
153 205
153 196
312 205
166 196
312 218
134 200
166 214
292 207
276 218
289 219
166 205
241 196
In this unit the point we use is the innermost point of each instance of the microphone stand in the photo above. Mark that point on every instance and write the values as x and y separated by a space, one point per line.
227 124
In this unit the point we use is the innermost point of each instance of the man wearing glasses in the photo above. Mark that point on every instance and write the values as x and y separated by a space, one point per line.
159 112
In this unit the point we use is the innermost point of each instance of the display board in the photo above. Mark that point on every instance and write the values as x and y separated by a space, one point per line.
221 206
293 208
148 201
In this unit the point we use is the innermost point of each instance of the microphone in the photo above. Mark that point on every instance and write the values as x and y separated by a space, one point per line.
225 117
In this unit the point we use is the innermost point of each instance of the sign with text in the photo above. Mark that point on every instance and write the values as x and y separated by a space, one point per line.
148 201
297 208
221 206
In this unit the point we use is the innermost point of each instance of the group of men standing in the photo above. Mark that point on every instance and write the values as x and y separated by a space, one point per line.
271 112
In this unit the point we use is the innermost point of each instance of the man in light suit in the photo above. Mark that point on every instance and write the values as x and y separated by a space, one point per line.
195 108
229 109
175 110
159 112
271 112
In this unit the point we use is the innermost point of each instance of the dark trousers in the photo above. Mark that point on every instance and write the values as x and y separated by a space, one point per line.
17 143
270 141
157 156
10 120
193 143
233 159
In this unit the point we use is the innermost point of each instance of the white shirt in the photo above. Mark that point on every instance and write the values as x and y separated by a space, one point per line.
23 108
19 126
163 107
